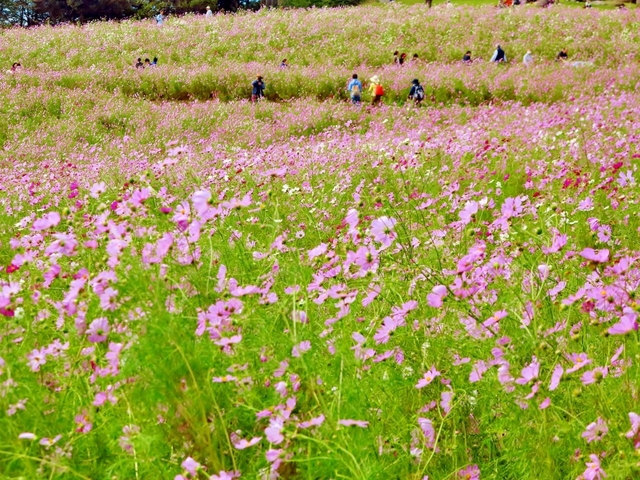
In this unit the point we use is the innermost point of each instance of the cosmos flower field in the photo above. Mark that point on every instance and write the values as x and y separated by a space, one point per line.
197 287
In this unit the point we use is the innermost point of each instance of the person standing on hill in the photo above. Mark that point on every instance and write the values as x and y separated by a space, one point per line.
528 58
375 88
257 92
355 89
417 92
402 59
139 63
395 57
209 12
160 18
563 55
498 55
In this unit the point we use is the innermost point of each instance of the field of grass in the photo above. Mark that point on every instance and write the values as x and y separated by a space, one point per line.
194 286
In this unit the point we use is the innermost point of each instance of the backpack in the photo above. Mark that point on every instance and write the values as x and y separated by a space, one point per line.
419 93
355 90
378 90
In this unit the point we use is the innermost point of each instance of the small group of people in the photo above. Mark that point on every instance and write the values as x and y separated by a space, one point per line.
499 56
401 58
161 17
355 89
146 63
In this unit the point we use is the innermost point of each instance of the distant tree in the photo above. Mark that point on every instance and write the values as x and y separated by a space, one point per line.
18 12
57 11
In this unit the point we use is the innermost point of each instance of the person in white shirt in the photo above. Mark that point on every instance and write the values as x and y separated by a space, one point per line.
209 12
528 58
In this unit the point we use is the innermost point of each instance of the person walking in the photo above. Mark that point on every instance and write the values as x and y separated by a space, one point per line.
528 58
160 18
258 86
498 55
375 88
417 92
355 89
209 12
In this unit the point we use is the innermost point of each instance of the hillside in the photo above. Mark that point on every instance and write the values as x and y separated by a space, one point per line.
195 286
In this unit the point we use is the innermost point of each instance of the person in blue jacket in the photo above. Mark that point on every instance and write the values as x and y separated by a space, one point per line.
417 92
355 89
258 87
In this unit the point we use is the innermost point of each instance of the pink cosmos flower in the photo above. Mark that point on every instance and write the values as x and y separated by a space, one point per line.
545 403
27 436
222 475
191 466
628 323
106 396
243 443
314 422
354 423
235 203
594 376
445 402
319 250
495 318
428 377
97 189
382 230
559 241
50 219
434 299
224 379
36 359
634 433
597 256
467 213
595 431
478 370
530 372
594 471
49 442
579 360
429 431
472 472
83 422
555 377
299 349
389 325
98 330
475 253
274 430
